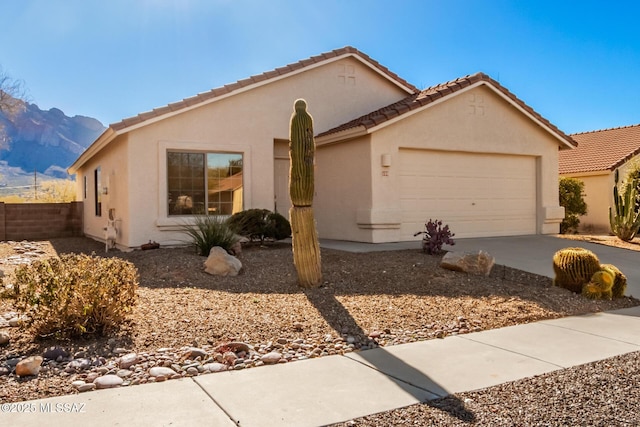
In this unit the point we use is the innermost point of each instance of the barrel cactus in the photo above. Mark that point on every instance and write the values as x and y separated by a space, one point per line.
574 267
620 280
600 286
304 236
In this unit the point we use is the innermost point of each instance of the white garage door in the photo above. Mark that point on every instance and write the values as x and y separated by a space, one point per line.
478 195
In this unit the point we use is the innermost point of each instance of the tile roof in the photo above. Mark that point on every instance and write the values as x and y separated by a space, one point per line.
229 88
601 150
432 94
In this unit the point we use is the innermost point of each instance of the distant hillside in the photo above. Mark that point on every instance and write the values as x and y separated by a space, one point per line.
44 141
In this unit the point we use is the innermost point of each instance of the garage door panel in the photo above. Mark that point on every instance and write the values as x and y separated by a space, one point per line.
476 194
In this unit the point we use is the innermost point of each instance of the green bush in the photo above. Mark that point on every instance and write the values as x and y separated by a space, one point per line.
572 199
260 224
209 231
76 294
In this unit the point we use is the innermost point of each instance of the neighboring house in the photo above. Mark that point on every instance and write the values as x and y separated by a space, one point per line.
594 161
389 157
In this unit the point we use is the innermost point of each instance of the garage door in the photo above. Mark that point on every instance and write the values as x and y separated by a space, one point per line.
478 195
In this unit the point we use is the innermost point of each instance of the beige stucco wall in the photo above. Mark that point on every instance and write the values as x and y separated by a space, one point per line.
247 123
114 167
598 189
342 183
478 121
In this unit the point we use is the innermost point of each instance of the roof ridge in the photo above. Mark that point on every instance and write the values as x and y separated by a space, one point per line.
257 78
606 129
433 93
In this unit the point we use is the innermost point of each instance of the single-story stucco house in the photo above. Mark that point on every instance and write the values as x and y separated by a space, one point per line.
389 157
594 161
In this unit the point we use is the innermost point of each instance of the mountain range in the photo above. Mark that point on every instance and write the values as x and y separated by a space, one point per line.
45 142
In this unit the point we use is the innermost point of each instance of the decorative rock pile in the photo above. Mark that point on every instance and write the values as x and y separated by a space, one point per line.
25 251
122 367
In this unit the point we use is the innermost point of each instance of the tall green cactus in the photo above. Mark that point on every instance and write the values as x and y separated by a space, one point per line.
304 237
625 221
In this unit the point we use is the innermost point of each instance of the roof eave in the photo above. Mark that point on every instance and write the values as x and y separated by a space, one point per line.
140 120
566 142
105 138
341 136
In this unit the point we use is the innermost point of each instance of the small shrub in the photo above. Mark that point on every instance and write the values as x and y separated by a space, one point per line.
209 231
435 235
572 199
76 294
260 224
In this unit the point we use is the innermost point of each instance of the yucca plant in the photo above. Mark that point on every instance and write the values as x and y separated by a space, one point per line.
209 231
624 219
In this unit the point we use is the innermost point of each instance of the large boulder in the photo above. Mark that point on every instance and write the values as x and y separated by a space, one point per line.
479 263
220 263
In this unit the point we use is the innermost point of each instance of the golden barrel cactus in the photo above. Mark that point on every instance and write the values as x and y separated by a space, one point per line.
574 267
600 285
304 236
620 280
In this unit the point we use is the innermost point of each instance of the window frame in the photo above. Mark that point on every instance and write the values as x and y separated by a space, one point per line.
176 223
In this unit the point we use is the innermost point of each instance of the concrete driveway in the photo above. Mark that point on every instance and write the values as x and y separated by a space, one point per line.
535 253
528 253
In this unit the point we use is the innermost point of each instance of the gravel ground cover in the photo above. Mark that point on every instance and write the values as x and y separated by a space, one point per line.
191 323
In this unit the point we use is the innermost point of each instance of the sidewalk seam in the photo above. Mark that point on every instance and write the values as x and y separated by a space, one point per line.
236 422
439 395
513 352
590 333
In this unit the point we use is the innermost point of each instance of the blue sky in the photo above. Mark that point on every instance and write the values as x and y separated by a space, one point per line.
575 62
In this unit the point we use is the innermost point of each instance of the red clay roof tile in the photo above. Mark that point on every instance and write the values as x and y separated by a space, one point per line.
601 150
194 100
432 94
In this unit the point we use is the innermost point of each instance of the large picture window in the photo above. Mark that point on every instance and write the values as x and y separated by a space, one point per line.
204 183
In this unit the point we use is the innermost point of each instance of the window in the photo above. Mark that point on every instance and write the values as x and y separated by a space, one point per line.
85 187
204 183
97 185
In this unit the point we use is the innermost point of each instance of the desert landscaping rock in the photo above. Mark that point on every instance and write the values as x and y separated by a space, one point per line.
86 387
29 366
215 367
161 371
4 338
53 353
270 358
479 263
220 263
128 360
108 381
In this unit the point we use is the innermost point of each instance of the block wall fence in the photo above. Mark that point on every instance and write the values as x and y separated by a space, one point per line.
40 221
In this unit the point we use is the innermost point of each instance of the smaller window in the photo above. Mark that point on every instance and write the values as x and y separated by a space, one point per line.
97 191
85 187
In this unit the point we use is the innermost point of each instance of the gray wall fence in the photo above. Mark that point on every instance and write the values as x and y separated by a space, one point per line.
40 221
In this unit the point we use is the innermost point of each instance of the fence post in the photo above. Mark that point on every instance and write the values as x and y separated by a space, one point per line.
3 225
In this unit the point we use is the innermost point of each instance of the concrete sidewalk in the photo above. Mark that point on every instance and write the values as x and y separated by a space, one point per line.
332 389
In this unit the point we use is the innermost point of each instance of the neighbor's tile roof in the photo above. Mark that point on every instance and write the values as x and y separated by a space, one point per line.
226 89
435 93
601 150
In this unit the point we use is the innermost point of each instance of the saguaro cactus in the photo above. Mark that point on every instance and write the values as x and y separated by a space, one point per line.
304 236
